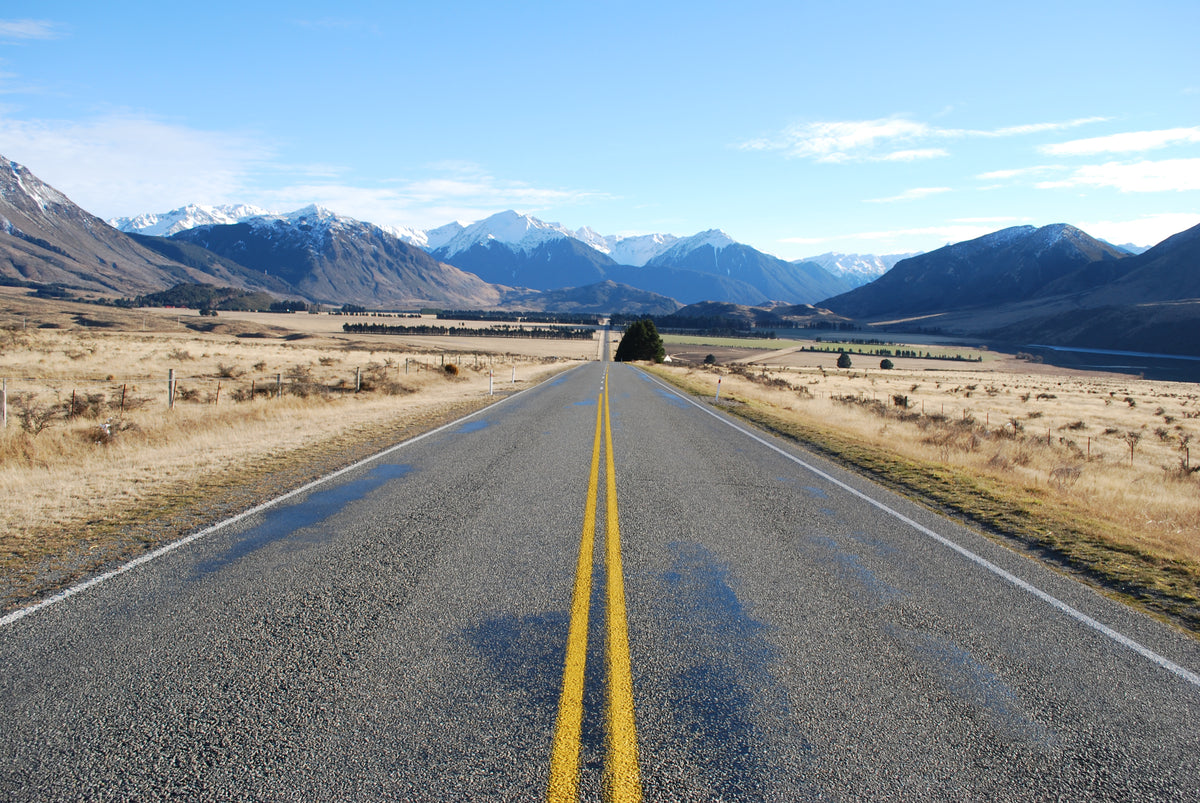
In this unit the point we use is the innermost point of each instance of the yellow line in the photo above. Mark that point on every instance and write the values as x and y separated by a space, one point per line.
623 779
564 758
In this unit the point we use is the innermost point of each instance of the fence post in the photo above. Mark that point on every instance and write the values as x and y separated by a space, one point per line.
217 400
491 375
357 379
170 388
4 402
123 398
279 386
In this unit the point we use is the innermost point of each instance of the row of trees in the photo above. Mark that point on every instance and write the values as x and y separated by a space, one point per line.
541 332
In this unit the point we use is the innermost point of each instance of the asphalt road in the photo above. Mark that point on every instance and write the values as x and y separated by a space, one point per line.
399 633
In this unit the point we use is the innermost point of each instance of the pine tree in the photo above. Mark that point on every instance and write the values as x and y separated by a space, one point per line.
641 342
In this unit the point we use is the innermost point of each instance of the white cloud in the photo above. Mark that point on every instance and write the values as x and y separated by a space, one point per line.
1038 128
914 154
121 163
1168 175
1146 230
1019 172
916 193
12 30
427 202
127 164
882 139
840 141
1128 142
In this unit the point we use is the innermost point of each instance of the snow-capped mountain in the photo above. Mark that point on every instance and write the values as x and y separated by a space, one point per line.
525 233
519 232
1009 265
521 251
857 269
185 217
47 239
334 259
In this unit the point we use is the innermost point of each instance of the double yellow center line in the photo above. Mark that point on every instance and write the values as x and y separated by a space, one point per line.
622 780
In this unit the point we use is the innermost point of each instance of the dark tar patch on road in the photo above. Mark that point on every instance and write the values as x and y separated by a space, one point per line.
849 565
974 683
313 509
723 698
672 398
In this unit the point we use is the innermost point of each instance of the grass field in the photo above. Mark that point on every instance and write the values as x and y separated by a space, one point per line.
1091 472
92 458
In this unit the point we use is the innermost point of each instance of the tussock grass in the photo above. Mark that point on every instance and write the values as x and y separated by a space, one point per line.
92 459
1041 460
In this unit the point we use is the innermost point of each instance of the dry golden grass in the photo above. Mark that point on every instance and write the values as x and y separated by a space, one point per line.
1050 449
90 438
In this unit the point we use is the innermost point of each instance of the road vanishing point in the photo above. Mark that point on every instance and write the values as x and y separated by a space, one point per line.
596 589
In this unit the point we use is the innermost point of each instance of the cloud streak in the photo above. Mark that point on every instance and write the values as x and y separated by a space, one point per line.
892 139
1129 142
1168 175
915 194
126 164
27 29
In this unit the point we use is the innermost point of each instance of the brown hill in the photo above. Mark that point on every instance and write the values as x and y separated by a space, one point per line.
47 239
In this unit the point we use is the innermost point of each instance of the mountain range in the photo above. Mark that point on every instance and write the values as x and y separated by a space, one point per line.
1054 284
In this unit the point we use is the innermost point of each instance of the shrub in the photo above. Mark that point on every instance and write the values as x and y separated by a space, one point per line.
886 364
451 369
843 360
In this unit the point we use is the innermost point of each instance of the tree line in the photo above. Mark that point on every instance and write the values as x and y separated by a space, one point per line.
430 330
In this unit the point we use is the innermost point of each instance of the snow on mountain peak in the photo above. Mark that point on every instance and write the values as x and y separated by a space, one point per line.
520 232
186 217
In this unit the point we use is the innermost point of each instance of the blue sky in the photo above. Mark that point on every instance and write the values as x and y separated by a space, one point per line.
796 127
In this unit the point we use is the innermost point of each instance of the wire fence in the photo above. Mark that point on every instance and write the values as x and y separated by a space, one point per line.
33 403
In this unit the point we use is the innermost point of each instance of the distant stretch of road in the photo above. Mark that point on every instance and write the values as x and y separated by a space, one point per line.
596 589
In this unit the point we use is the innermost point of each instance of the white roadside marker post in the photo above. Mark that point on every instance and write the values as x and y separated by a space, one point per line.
717 398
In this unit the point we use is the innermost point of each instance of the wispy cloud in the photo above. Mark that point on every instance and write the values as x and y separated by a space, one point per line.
127 163
17 30
914 155
1020 172
1167 175
1128 142
124 164
884 140
426 202
915 194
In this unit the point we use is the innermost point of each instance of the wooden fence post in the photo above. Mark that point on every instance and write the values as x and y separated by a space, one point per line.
170 388
279 386
4 402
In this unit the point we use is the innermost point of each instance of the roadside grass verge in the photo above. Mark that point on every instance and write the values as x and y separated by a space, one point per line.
1053 520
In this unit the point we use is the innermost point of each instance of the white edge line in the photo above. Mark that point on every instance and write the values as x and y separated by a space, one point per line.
79 588
1079 616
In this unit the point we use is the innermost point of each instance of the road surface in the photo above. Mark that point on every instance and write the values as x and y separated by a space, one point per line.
402 632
